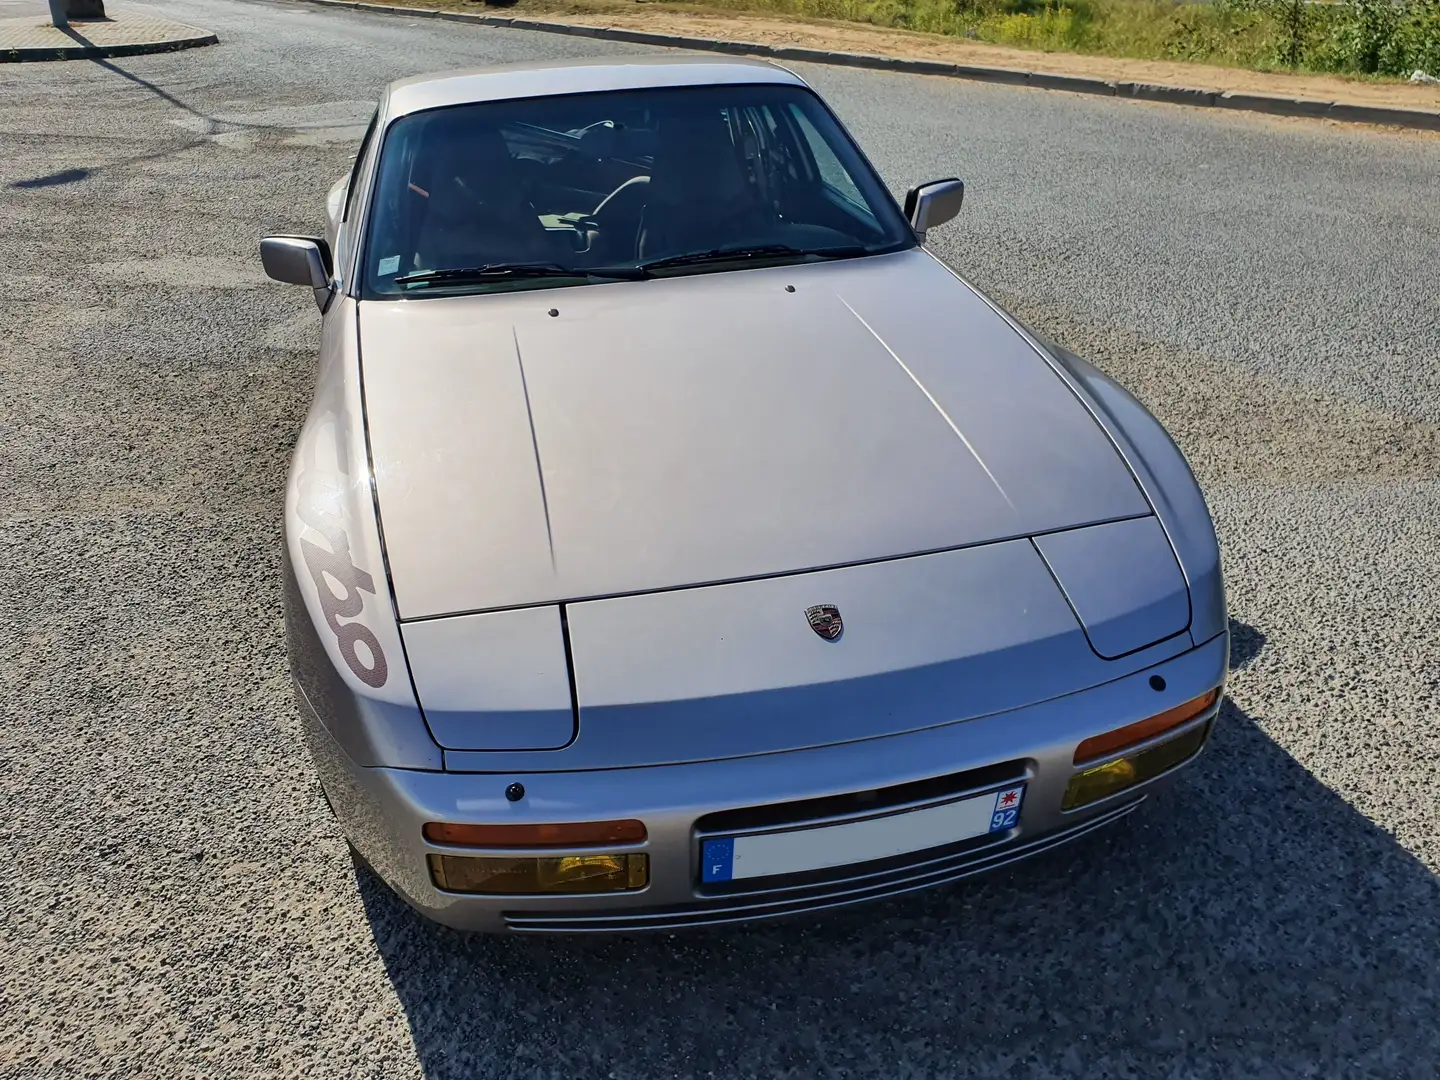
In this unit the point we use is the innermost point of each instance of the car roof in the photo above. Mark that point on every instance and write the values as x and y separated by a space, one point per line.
550 78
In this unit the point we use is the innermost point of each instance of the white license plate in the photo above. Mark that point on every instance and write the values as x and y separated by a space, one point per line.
799 850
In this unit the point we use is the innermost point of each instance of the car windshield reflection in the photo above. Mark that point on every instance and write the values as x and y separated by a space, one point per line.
592 188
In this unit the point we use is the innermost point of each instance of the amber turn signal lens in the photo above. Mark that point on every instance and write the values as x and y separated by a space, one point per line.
572 834
569 874
1115 776
1121 738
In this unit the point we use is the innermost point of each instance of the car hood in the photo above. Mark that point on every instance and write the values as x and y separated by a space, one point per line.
563 444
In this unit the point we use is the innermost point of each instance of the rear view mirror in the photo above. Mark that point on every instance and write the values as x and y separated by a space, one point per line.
299 260
928 205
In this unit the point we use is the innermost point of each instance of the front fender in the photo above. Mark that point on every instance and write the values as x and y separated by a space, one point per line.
1157 465
346 655
1168 482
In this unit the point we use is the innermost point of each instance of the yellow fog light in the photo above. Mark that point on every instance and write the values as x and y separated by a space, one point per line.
1103 780
551 874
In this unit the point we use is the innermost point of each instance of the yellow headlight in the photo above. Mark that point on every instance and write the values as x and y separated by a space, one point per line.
1105 780
551 874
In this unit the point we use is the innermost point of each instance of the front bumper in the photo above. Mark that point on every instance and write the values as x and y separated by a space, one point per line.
382 811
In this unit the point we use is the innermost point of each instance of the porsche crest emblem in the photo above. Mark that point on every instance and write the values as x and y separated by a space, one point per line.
824 619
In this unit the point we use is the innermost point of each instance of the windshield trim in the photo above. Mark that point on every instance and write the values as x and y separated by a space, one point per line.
358 286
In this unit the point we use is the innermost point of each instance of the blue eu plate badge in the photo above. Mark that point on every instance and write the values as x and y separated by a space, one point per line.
719 858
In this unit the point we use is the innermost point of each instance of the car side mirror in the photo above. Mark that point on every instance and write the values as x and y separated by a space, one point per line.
928 205
299 260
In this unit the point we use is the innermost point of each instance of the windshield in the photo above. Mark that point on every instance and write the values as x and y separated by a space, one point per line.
586 188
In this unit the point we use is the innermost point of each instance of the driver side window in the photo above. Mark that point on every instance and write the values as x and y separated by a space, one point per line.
355 167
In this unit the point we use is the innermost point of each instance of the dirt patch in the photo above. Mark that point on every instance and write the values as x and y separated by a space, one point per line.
1238 426
661 18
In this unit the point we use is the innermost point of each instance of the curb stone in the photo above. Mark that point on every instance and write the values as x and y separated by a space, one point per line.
104 52
1373 114
1172 95
1008 76
1075 84
1283 106
1389 116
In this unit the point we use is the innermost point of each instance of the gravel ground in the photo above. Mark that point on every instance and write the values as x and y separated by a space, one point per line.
177 902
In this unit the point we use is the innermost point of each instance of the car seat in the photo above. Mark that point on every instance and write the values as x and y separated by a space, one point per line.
476 209
699 196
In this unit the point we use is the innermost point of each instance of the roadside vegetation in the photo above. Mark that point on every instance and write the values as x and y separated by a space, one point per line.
1360 37
1351 37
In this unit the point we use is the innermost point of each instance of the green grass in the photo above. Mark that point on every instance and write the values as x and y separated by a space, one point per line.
1366 37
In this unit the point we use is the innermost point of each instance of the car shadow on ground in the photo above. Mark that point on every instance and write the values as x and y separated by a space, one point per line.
208 125
1247 921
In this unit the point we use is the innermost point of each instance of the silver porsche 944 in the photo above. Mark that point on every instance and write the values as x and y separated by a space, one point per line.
675 540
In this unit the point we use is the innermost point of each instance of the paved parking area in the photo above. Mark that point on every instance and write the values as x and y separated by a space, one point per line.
176 900
27 34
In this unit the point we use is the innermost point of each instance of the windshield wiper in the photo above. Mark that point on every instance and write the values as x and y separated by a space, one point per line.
757 251
519 271
510 272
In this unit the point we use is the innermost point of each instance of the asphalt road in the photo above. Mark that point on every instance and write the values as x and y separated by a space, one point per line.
175 901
